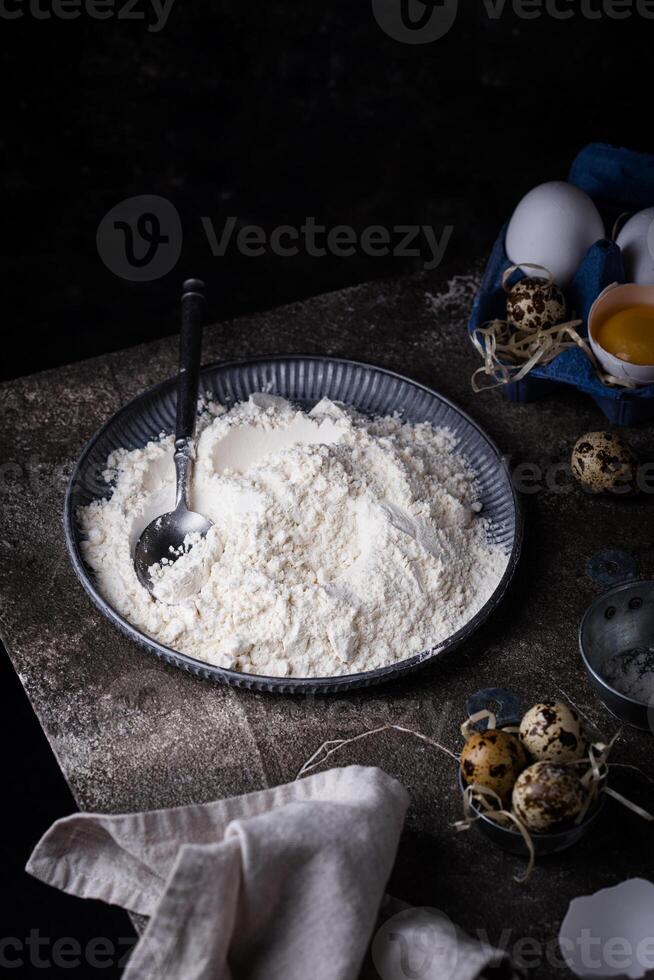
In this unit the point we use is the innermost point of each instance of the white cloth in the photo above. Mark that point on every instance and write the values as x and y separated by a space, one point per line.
284 884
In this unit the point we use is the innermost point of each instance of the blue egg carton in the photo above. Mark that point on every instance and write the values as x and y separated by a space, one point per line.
618 181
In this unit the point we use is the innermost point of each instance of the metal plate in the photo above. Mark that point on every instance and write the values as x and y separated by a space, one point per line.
303 380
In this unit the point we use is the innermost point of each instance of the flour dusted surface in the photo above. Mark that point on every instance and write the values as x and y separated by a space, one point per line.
340 543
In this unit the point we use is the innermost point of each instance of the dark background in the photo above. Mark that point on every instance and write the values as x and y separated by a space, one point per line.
270 112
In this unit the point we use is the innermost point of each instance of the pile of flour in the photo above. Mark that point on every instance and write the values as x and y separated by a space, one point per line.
340 543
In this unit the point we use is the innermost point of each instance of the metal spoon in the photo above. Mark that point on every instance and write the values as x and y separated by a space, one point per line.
164 536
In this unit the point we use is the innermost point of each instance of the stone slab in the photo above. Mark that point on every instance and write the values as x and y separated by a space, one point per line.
130 733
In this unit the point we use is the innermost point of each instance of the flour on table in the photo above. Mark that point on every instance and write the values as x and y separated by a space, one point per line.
631 672
340 543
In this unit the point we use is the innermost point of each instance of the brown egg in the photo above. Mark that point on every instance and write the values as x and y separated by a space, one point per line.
546 795
494 759
604 463
534 304
553 732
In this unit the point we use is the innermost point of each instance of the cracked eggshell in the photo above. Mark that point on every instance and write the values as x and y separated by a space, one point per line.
625 911
494 759
553 732
604 463
547 795
614 299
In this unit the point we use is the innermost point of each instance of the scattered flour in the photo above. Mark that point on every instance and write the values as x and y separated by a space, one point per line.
632 673
340 543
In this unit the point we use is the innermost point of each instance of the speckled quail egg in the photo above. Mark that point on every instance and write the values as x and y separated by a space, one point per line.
553 732
546 795
493 759
604 463
534 304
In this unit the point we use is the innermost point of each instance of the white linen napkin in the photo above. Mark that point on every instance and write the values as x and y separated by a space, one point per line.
283 884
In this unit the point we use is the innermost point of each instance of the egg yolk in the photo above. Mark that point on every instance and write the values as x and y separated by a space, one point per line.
629 334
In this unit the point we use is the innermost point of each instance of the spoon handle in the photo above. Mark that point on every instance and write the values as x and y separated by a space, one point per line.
194 313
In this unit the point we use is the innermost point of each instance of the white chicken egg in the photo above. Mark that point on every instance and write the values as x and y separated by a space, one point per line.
637 243
553 226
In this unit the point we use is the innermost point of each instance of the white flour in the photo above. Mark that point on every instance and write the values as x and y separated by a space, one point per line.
340 544
632 673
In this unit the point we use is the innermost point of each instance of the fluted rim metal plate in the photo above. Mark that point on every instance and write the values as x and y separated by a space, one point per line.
303 380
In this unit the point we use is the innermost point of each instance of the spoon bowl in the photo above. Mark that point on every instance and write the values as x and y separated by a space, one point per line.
166 537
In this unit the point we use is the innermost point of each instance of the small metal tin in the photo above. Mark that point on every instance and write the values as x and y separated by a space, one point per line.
511 840
616 622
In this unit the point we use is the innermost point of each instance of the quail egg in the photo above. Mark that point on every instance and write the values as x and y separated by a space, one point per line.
553 732
534 304
604 463
494 759
546 795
